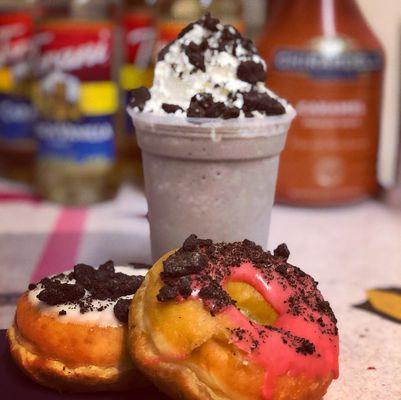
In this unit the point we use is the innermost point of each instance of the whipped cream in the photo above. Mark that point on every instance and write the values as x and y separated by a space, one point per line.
209 71
104 318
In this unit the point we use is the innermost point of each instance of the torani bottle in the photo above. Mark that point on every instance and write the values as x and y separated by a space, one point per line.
17 115
77 101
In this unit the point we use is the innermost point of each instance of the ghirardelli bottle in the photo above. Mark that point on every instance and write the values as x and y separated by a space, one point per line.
324 58
77 99
17 145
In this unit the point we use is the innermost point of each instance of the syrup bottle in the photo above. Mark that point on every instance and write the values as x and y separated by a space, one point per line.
77 99
17 115
324 58
137 22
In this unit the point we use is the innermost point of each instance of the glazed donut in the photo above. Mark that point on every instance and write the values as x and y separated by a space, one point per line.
231 321
70 330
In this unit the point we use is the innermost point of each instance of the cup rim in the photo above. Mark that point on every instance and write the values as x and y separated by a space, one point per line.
234 123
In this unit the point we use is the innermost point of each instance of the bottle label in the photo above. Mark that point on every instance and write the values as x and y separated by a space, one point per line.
139 39
331 150
16 118
75 96
79 48
318 65
16 112
139 35
85 140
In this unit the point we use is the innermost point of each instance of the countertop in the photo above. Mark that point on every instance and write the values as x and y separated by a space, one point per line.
347 249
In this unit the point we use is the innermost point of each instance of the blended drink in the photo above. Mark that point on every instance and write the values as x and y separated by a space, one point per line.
210 134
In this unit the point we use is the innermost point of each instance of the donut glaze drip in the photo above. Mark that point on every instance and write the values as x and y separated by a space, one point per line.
304 338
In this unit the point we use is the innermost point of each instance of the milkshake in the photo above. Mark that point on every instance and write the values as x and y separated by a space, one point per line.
210 134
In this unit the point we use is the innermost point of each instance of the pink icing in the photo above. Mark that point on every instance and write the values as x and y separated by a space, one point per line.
277 357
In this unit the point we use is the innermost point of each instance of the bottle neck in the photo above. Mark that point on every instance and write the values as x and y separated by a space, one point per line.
330 15
92 10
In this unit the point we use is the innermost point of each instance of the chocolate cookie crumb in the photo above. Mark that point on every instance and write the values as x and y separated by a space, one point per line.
208 22
282 251
231 112
251 72
116 286
195 53
184 287
220 298
58 293
107 267
306 347
187 29
32 286
121 310
62 312
203 106
262 102
248 44
84 275
171 108
180 264
139 97
190 243
228 35
167 293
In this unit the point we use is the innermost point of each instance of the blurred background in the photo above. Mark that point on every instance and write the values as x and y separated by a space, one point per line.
67 66
71 185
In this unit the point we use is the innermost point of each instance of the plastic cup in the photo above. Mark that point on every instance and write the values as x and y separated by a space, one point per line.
214 178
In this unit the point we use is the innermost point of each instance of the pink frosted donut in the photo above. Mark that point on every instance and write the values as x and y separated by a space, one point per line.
231 321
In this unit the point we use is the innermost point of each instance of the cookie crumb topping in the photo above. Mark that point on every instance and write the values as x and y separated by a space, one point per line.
209 71
200 269
90 289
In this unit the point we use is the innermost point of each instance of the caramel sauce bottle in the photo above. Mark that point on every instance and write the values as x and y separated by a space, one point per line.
324 58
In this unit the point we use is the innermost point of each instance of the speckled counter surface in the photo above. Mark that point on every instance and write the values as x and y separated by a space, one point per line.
348 250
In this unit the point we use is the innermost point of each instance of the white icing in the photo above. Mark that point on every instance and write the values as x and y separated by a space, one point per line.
102 318
176 81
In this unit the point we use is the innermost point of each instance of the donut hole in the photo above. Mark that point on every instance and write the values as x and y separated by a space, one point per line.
251 303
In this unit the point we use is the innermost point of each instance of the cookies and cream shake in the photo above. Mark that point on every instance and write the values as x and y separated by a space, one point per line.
210 134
